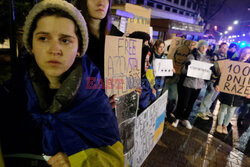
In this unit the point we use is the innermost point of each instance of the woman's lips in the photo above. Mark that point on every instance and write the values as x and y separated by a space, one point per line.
100 10
54 62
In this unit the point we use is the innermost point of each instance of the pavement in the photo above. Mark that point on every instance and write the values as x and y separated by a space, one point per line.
202 146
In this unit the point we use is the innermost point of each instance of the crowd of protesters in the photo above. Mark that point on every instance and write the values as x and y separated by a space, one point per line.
47 112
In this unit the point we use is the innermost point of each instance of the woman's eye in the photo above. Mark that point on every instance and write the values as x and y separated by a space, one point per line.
43 38
65 41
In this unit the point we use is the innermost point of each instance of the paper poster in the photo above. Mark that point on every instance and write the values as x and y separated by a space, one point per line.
198 69
235 78
179 50
126 112
123 24
122 65
148 130
163 67
126 106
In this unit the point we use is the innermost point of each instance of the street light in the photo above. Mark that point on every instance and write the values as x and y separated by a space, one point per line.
236 21
229 28
225 32
221 33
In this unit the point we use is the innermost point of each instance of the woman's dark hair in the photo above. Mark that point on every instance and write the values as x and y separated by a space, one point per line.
105 22
233 45
145 51
58 13
140 35
223 43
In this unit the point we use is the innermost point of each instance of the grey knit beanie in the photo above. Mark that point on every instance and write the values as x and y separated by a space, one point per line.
201 43
57 4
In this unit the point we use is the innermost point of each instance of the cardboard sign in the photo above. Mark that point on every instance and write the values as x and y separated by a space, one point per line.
141 20
179 50
198 69
122 68
148 130
163 67
235 78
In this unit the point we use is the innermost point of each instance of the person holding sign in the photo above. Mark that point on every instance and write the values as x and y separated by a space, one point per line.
158 54
49 113
230 102
147 94
191 87
211 94
97 15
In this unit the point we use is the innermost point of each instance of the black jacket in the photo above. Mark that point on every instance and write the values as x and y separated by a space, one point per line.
232 100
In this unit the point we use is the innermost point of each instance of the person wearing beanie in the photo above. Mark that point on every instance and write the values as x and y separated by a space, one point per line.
211 94
232 51
191 87
51 112
202 43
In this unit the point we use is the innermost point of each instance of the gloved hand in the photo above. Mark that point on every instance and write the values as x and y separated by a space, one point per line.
187 64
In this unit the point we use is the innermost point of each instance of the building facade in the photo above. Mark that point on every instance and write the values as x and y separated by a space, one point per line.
180 10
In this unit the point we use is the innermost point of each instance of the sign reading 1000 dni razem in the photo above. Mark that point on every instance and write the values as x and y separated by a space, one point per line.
235 78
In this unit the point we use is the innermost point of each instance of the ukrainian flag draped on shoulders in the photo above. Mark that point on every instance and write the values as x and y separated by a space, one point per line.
80 121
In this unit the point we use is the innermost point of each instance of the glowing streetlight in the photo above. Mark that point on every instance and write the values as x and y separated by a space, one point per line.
225 32
221 33
243 35
229 28
236 22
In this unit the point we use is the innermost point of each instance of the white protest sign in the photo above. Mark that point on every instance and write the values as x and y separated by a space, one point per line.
163 67
148 131
198 69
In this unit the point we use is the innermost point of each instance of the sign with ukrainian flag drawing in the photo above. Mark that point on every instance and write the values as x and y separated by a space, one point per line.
148 131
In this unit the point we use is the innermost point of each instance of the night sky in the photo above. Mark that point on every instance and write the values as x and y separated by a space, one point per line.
233 10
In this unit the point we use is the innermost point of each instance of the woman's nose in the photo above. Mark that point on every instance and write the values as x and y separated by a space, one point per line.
55 47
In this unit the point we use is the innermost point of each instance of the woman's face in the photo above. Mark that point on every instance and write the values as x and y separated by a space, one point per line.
160 49
147 64
203 49
97 8
245 55
54 45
